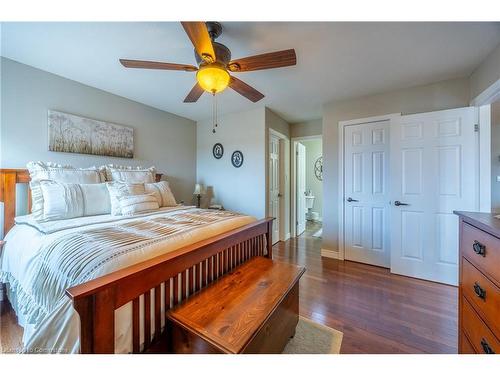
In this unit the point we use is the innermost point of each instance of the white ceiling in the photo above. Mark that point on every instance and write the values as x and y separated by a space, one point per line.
334 60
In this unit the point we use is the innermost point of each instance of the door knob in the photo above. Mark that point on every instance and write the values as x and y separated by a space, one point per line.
398 203
352 200
280 195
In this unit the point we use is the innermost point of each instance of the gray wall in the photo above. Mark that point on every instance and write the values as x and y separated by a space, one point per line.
306 129
161 139
273 121
437 96
239 189
486 74
495 156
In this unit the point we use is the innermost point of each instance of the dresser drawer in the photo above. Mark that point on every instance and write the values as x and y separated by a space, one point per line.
481 338
465 345
482 250
483 294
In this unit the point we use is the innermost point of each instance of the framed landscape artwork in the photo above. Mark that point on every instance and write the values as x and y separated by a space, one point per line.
75 134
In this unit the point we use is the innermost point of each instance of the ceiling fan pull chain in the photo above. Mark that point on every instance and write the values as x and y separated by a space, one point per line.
216 111
213 113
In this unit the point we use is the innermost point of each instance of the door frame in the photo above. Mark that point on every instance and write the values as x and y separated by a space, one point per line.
284 171
293 179
483 102
341 202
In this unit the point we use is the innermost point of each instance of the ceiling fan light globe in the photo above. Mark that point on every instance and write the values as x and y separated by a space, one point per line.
213 78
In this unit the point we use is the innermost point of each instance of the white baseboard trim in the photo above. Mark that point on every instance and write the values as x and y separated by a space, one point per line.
287 236
331 254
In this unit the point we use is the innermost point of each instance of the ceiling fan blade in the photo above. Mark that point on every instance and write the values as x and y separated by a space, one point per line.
198 33
243 89
270 60
194 94
157 65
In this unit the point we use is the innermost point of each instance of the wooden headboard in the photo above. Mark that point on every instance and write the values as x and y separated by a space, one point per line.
8 180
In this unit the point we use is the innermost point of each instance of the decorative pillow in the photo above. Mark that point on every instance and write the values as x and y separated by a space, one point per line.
66 201
162 192
133 204
120 189
130 174
61 173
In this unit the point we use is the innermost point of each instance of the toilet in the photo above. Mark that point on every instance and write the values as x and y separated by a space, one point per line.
311 215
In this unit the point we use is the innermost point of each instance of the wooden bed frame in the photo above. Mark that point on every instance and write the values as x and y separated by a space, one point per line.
179 274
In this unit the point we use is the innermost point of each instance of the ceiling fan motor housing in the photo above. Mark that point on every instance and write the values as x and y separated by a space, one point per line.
222 54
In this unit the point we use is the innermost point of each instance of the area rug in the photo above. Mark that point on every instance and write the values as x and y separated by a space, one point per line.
314 338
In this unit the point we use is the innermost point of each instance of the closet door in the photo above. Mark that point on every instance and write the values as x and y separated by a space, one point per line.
433 173
366 193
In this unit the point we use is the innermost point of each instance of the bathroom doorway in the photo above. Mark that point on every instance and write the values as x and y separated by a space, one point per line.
307 189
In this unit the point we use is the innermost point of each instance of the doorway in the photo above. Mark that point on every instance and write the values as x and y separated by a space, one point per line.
278 184
402 178
307 191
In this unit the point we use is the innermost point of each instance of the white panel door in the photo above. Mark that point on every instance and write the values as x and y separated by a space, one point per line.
301 188
433 172
274 185
366 193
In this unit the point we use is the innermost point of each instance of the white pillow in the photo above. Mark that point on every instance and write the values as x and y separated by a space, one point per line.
130 174
162 192
120 189
66 201
133 204
56 172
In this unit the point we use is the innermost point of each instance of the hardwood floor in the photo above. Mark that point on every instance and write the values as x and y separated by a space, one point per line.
10 332
311 228
378 312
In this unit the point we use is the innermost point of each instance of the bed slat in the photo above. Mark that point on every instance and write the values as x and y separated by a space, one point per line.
147 319
183 285
176 290
157 312
204 266
197 277
135 325
191 280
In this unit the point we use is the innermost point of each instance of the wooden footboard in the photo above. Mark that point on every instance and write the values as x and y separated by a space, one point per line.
165 280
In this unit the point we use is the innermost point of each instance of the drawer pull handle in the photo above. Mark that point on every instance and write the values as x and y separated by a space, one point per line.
486 347
479 248
480 292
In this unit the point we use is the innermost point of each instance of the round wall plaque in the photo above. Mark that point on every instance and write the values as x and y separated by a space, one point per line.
318 168
237 159
218 150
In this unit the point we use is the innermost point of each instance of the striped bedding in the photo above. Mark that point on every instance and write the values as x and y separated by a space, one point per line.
39 264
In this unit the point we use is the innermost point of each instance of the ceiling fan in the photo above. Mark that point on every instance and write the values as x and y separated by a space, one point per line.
214 63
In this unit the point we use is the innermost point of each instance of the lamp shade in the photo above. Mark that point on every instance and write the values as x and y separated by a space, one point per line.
213 78
198 189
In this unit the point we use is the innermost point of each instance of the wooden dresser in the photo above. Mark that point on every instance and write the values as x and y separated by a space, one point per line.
479 293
